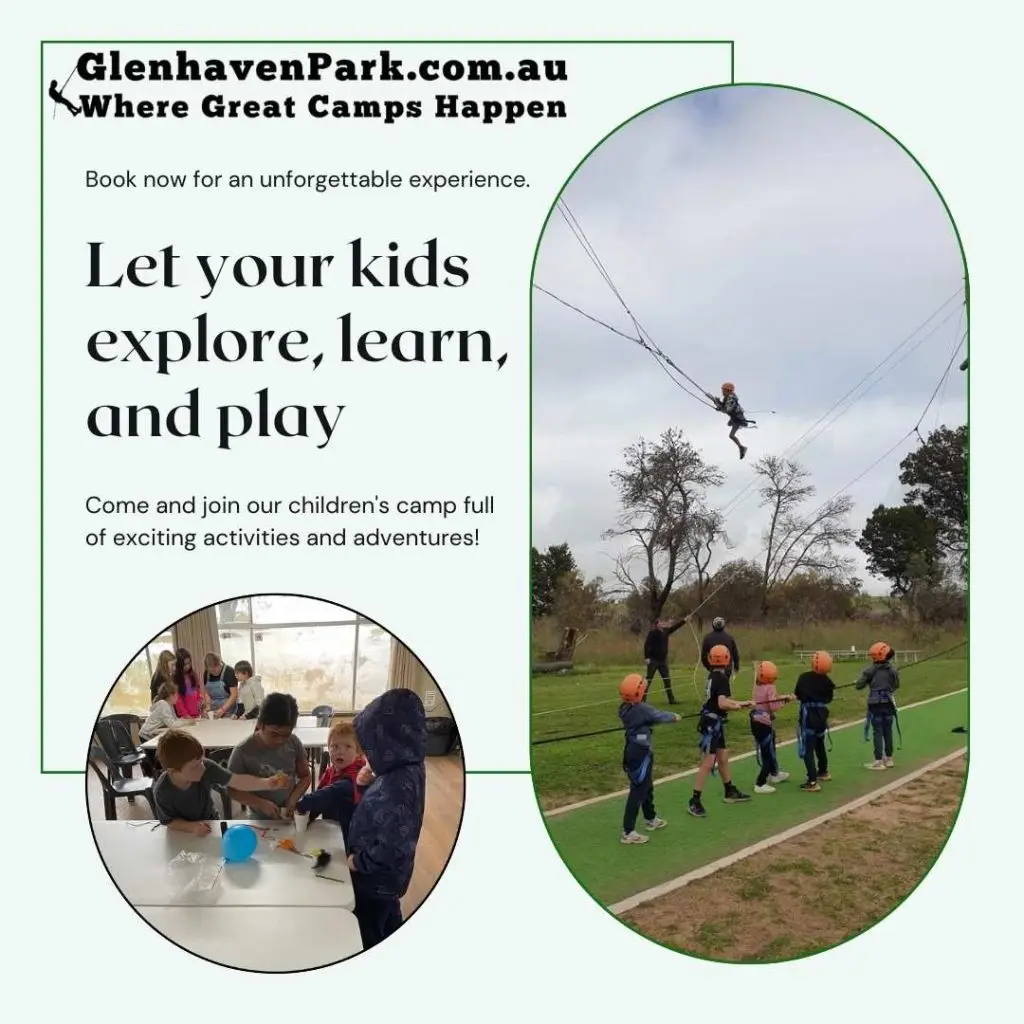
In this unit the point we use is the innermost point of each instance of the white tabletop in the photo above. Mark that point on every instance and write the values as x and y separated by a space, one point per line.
227 732
159 867
261 938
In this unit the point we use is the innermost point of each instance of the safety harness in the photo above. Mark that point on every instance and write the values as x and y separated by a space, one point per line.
880 712
805 733
767 744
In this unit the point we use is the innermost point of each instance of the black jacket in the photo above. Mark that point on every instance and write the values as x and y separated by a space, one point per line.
713 639
656 644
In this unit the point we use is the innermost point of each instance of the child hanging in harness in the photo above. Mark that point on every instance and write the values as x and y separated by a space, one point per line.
766 702
814 690
729 403
638 756
883 679
711 726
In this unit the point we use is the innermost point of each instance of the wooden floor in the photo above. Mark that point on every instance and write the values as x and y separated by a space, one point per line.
445 795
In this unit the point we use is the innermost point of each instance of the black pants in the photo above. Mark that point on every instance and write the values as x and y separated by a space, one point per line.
881 729
814 749
764 737
660 667
640 796
378 917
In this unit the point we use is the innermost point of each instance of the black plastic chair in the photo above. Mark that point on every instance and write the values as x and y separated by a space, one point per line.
323 715
116 740
128 719
114 786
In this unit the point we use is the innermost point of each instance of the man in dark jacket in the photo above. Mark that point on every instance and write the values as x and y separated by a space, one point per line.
656 654
386 823
718 636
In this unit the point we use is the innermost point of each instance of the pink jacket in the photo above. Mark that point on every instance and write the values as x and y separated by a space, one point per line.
765 703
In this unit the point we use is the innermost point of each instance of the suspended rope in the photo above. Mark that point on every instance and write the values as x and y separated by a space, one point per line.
796 447
643 337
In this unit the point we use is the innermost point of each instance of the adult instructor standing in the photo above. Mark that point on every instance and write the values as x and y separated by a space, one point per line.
656 654
718 636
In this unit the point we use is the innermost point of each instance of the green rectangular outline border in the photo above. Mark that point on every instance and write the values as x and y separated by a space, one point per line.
43 43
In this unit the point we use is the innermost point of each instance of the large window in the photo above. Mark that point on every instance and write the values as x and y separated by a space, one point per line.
318 652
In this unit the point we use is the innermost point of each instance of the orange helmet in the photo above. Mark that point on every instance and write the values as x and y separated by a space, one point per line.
632 688
728 387
767 673
821 662
719 656
880 652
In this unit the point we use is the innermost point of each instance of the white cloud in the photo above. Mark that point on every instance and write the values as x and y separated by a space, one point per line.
774 239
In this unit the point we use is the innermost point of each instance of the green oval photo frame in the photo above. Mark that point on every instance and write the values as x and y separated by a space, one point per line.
614 800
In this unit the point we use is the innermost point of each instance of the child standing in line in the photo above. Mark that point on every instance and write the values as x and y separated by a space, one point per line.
815 690
766 702
713 745
884 680
638 756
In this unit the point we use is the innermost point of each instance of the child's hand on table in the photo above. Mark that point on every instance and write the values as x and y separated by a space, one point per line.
266 807
199 828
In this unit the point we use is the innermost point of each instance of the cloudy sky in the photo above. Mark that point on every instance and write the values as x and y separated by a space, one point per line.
760 236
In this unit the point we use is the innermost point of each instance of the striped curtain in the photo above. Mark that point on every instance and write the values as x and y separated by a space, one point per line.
406 672
197 633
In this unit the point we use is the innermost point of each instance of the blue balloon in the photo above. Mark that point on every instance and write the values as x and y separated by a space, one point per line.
238 843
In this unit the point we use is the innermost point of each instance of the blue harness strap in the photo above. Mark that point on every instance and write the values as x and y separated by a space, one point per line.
805 733
869 721
639 774
767 744
707 734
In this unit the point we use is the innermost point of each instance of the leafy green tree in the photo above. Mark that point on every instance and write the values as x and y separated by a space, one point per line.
899 542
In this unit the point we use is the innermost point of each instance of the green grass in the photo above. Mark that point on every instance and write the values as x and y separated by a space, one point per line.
612 647
575 769
587 838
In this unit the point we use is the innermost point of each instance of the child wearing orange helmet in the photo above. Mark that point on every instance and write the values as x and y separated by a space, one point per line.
638 756
883 679
766 702
729 403
711 726
815 691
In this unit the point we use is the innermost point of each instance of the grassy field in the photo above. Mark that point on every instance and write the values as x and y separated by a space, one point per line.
817 889
586 701
608 647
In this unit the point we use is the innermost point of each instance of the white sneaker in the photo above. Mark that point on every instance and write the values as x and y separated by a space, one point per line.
876 766
629 838
888 763
655 823
781 777
764 789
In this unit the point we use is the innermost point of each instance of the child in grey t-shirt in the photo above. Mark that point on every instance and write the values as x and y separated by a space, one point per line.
183 794
273 748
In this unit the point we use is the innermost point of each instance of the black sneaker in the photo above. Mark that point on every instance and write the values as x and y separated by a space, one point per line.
734 796
743 453
696 809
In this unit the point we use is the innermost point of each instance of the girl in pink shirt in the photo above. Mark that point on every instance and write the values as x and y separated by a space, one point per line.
766 702
191 701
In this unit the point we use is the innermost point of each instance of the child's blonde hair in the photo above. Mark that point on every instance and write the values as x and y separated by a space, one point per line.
343 730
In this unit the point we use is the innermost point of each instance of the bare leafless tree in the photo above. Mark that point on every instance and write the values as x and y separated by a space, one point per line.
663 497
797 541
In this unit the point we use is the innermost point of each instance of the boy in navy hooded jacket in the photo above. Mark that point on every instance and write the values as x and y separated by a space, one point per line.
386 823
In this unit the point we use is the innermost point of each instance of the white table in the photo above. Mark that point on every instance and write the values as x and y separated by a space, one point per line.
145 865
228 732
261 938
